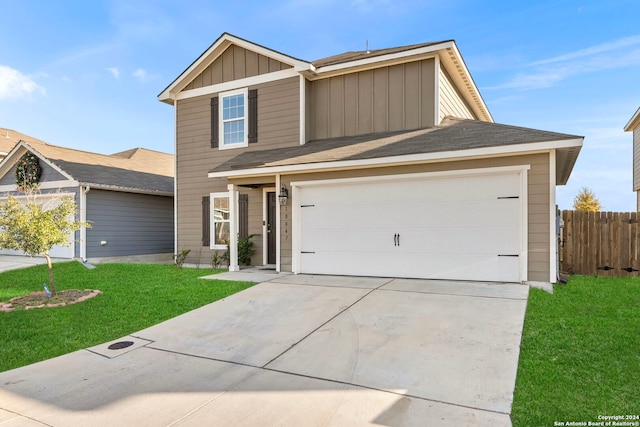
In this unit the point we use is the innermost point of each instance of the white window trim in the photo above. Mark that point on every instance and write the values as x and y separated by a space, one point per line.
212 219
221 96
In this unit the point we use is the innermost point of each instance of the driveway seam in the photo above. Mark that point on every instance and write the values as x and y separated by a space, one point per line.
235 385
323 324
453 295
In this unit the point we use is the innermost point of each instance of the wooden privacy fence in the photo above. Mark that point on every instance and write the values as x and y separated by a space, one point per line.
600 243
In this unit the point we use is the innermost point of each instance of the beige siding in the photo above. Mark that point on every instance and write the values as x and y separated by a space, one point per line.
538 201
385 99
278 126
451 102
636 160
235 63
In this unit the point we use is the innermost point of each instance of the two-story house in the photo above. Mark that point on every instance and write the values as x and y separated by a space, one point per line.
377 163
634 126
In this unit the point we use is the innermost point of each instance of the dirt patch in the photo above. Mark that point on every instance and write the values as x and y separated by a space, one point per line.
41 300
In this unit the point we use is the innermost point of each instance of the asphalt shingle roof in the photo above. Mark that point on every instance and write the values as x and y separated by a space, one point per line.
452 134
137 169
356 55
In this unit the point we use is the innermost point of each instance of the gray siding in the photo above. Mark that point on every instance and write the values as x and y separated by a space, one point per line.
48 174
451 102
236 63
278 127
384 99
131 224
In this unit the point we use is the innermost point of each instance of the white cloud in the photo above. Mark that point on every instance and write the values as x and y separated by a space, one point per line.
14 84
140 74
114 71
549 72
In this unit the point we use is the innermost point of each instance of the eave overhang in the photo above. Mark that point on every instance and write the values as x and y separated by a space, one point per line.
634 122
566 150
169 94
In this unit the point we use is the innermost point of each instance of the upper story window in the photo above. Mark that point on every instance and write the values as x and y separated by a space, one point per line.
233 119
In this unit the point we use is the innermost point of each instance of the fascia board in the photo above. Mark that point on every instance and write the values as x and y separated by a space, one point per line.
475 153
454 61
634 122
383 59
235 84
22 147
214 51
125 189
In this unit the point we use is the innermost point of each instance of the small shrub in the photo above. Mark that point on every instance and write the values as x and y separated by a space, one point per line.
219 259
181 257
245 250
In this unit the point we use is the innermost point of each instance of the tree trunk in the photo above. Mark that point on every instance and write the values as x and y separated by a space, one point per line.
52 283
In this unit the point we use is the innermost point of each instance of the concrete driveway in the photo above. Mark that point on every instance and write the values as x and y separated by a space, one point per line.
295 351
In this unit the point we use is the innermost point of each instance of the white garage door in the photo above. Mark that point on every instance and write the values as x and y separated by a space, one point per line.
464 227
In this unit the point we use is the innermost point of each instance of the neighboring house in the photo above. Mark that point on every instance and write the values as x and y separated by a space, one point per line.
634 126
126 197
390 161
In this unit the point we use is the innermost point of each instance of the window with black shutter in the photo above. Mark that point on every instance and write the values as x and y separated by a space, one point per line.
206 221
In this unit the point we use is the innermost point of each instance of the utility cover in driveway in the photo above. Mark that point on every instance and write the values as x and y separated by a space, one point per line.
463 227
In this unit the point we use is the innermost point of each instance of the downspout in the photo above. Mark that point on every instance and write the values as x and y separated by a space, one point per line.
83 218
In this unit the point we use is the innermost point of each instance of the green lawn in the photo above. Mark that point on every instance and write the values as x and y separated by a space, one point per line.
580 355
135 296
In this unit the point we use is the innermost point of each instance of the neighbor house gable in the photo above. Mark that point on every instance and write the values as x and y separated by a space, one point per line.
634 126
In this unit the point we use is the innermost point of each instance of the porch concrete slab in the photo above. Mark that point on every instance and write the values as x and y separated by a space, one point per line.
452 287
338 281
460 350
143 387
252 275
254 326
271 398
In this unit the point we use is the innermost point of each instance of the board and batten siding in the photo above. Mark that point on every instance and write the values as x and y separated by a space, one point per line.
278 127
451 102
131 224
235 63
398 97
538 201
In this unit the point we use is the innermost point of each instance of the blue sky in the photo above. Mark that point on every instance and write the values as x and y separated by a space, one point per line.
87 74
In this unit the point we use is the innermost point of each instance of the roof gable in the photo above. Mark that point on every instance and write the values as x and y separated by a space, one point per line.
216 50
138 170
236 63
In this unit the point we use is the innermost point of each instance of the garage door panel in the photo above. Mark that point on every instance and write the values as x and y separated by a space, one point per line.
448 228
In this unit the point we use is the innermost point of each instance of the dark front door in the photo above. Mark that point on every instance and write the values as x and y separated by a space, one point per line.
271 228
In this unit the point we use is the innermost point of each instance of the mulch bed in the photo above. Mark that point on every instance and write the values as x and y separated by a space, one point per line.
41 300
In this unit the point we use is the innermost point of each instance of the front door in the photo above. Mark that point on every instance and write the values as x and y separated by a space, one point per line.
271 228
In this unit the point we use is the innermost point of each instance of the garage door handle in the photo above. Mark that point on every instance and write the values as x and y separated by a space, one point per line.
396 239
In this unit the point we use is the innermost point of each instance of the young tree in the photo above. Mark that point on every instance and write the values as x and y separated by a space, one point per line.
586 200
34 228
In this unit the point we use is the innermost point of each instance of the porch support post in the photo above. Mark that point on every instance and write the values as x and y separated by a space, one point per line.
233 228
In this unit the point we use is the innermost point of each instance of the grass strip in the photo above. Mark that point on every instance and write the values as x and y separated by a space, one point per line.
580 354
134 297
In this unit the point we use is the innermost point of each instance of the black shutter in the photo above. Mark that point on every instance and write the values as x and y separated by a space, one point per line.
206 221
253 116
214 122
243 216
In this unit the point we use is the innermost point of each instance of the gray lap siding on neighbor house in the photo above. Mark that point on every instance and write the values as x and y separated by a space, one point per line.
278 126
130 223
